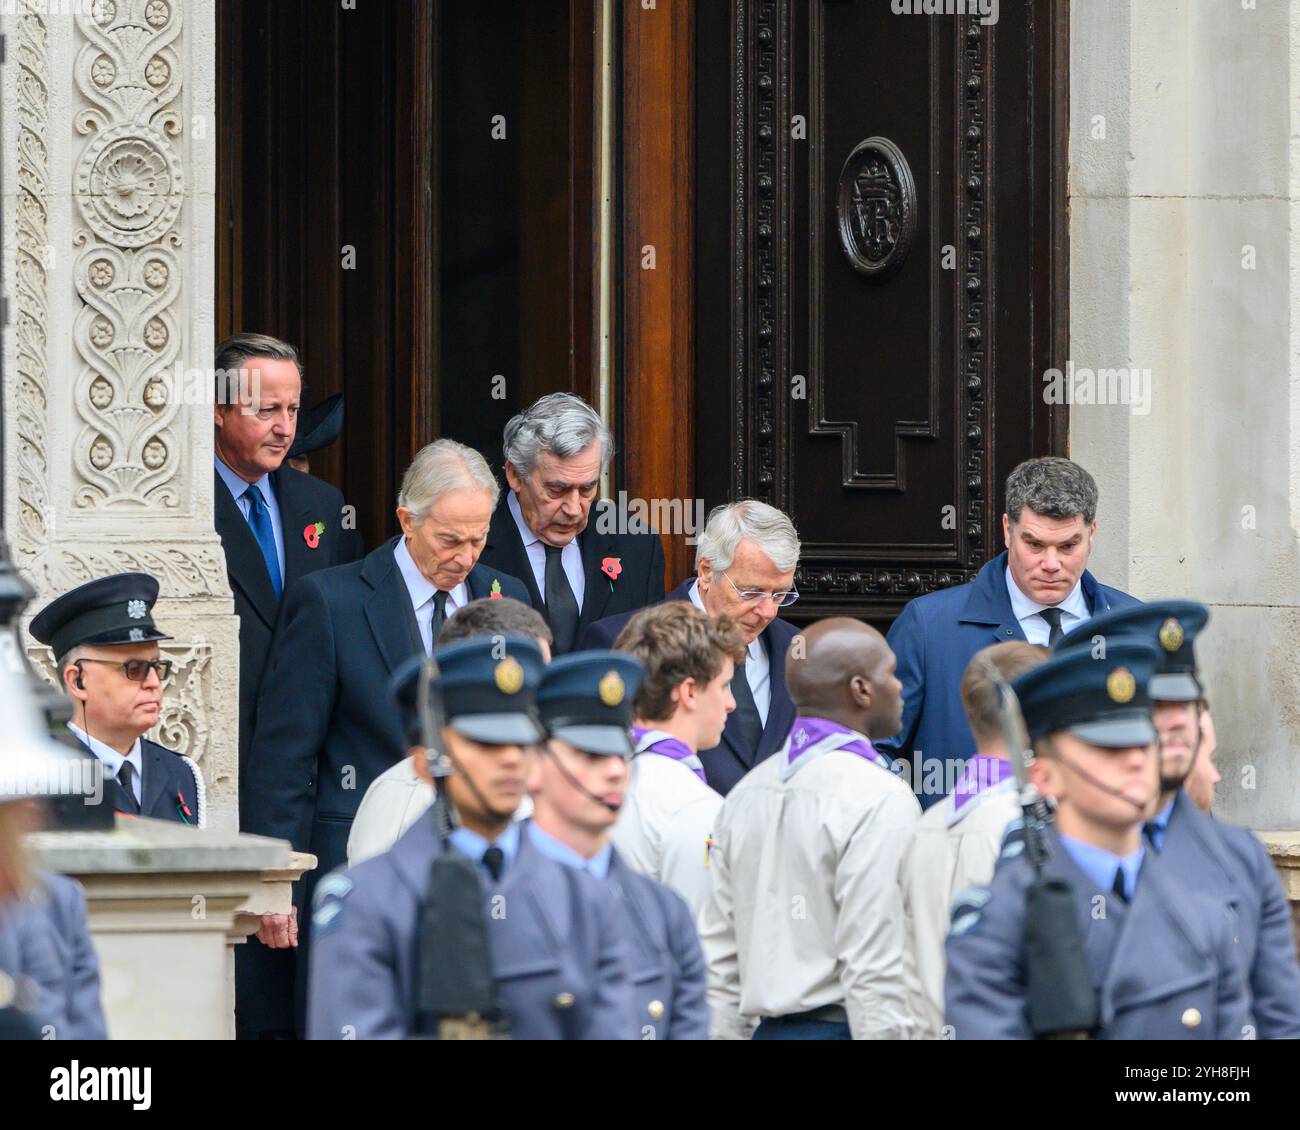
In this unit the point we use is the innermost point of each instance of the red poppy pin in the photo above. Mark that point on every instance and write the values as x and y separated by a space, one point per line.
612 567
182 807
495 594
311 535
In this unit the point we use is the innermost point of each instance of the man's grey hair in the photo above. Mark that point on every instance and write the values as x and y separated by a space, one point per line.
234 353
560 424
1053 487
766 526
439 468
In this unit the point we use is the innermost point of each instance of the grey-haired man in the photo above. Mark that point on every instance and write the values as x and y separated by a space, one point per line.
577 566
1036 590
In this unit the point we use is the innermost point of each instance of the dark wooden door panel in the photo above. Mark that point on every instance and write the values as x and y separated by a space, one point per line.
891 285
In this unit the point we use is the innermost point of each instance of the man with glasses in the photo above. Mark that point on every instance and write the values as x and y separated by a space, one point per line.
745 562
105 645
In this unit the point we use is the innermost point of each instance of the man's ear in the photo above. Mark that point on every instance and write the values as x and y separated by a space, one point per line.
534 782
686 692
705 574
1006 531
420 761
1045 775
71 675
513 478
406 520
860 689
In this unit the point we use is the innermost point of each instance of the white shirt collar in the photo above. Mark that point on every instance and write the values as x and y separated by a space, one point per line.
422 589
1074 604
108 755
525 532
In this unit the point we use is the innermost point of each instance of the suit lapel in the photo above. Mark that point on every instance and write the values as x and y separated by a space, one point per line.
508 554
153 786
595 548
780 710
388 608
245 564
294 517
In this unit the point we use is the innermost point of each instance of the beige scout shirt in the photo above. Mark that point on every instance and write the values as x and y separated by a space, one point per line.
664 828
949 852
804 910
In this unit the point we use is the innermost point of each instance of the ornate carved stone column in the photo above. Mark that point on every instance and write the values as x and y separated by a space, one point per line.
109 158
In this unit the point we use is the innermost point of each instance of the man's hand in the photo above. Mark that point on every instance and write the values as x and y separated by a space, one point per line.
279 931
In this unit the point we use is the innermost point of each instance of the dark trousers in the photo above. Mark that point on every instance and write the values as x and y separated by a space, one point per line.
801 1027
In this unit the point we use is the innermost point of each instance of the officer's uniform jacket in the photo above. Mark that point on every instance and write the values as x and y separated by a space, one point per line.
664 827
804 910
558 947
667 970
952 849
1164 965
1232 863
171 786
62 904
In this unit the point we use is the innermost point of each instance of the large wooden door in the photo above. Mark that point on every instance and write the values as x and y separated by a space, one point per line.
879 280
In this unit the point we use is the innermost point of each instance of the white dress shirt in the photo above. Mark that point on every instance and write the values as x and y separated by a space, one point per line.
1074 610
804 910
113 760
237 486
422 591
535 548
758 668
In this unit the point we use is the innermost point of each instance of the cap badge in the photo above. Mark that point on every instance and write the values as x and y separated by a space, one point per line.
509 675
611 688
1171 635
1120 685
137 635
137 609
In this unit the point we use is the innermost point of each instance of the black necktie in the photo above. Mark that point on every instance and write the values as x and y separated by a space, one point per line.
439 617
125 778
494 859
1053 618
561 605
1117 887
751 722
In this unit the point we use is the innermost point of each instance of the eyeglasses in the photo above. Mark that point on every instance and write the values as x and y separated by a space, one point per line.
756 596
137 670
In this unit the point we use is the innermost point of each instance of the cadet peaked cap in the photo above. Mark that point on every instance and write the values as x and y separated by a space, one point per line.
586 700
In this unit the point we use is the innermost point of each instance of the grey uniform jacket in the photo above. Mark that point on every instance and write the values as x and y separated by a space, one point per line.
62 904
669 978
558 947
1231 863
1165 965
28 958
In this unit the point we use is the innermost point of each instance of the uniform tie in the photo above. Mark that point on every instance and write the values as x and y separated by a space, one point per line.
1053 618
1117 887
125 780
1153 833
561 604
494 860
259 521
751 722
439 617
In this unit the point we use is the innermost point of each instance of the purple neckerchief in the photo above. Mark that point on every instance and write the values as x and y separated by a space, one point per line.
656 741
981 772
808 732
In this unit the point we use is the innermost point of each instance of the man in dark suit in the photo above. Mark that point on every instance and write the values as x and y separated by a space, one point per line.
326 728
275 523
745 563
1037 590
577 566
105 645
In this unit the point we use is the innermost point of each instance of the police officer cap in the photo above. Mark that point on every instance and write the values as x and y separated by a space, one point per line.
489 687
111 610
1173 624
586 700
1102 701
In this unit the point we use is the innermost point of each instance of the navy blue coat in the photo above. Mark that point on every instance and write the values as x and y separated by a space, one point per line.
559 952
1164 966
668 974
641 559
1232 864
934 638
731 758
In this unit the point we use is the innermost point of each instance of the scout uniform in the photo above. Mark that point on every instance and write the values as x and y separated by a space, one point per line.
666 825
586 700
955 846
1217 858
149 780
557 960
1159 954
804 927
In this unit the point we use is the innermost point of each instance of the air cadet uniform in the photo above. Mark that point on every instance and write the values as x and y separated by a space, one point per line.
955 846
558 952
666 825
110 611
585 699
61 903
1218 858
804 927
1160 958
